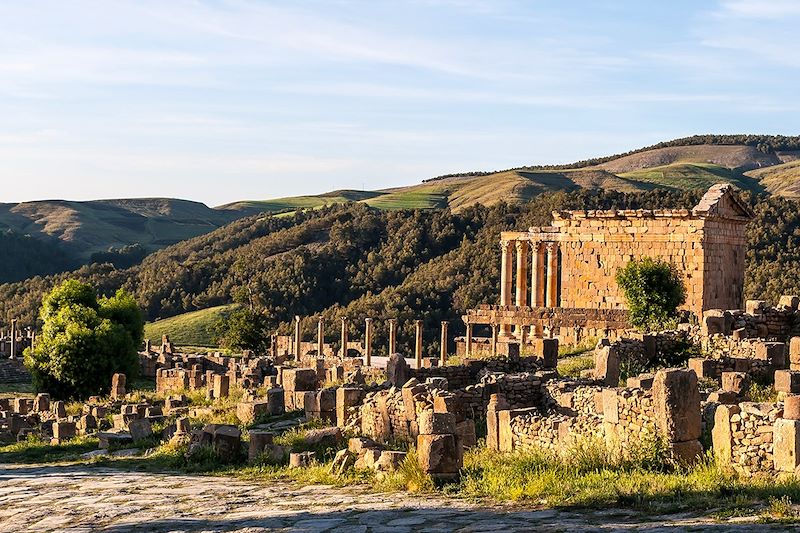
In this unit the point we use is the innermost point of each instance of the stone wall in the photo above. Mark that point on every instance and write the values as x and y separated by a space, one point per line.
742 435
13 371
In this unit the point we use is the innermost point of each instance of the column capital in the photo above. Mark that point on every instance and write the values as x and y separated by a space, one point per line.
418 322
552 246
367 320
521 246
297 318
505 244
344 319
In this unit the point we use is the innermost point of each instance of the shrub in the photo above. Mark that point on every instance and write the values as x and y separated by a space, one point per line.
653 291
244 329
84 341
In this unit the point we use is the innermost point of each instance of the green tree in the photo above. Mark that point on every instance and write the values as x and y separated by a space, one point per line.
244 329
653 290
84 341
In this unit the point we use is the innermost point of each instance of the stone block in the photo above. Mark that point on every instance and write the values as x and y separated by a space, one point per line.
260 441
546 350
755 307
786 445
275 401
21 406
606 365
357 445
739 334
787 381
64 430
115 439
431 423
789 302
331 436
721 435
41 404
301 459
736 382
227 443
221 385
642 381
389 461
86 424
497 403
791 407
721 396
439 456
465 431
346 397
774 352
118 386
299 379
676 399
610 406
713 322
794 353
140 428
687 452
704 368
249 412
397 370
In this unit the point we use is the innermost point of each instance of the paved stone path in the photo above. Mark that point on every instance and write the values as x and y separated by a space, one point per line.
86 498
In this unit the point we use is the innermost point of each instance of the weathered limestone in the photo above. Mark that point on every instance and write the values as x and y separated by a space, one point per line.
344 339
221 386
521 295
418 342
397 371
443 345
676 399
552 274
368 342
606 365
320 337
260 441
392 336
537 275
118 386
791 407
786 445
787 381
736 382
297 338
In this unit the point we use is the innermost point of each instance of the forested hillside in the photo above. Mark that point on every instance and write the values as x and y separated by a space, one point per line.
358 261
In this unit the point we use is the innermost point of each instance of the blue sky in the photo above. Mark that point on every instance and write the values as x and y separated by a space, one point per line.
222 100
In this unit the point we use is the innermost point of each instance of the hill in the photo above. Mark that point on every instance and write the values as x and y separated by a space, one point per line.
351 260
122 232
194 328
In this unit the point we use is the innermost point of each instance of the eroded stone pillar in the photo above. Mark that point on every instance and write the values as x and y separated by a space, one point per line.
418 343
552 274
297 338
344 337
392 336
320 337
443 348
494 339
506 279
468 348
368 341
522 274
537 274
13 338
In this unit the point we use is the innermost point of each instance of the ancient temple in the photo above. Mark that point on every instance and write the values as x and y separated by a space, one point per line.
563 275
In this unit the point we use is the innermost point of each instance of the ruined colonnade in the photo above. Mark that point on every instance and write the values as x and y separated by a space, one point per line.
542 256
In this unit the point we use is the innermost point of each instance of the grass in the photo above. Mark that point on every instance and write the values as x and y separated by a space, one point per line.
688 176
193 329
35 450
16 390
572 366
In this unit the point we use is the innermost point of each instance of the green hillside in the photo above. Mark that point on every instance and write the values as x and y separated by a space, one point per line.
188 329
783 179
689 176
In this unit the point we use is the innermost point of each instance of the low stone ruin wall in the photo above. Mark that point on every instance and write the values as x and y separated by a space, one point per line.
743 436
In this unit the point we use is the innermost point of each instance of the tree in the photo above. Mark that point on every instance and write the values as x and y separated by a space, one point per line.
84 341
244 329
653 291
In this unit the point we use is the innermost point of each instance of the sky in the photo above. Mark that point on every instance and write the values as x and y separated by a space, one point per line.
225 100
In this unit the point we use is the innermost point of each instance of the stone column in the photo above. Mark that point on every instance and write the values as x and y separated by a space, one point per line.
392 336
443 347
552 274
537 275
344 337
506 273
522 274
506 279
297 338
494 339
418 345
468 348
368 341
321 337
13 338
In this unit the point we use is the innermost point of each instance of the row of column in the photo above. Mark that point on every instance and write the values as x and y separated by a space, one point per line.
544 273
368 339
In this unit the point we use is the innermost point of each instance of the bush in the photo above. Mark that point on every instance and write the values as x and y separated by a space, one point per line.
244 329
653 291
84 341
